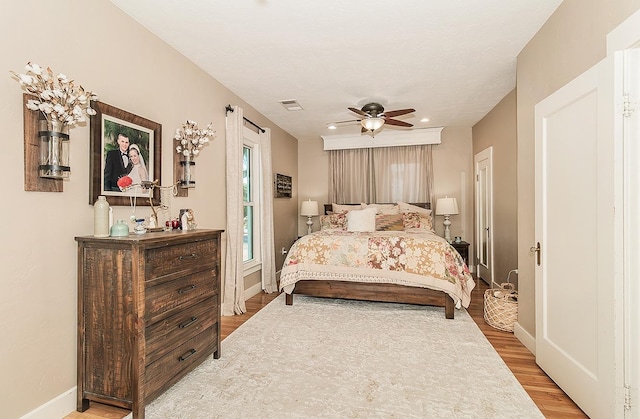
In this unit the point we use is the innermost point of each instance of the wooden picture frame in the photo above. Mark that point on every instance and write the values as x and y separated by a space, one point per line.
283 186
106 125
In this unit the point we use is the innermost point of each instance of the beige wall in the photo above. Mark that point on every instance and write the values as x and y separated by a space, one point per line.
570 42
313 167
105 50
498 130
453 177
452 167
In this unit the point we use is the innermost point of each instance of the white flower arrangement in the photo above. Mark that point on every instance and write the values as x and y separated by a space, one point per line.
191 138
59 98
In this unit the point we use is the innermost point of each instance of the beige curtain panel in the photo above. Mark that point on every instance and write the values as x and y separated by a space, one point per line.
269 282
233 298
383 174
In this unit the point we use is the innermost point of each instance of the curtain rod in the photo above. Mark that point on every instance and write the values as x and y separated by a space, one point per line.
228 108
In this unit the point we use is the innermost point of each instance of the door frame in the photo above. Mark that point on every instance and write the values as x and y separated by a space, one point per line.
627 288
627 138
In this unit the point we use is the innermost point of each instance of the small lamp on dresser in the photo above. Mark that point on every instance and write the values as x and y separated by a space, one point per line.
309 209
446 206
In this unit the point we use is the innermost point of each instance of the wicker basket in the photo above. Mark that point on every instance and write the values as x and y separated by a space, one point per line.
501 307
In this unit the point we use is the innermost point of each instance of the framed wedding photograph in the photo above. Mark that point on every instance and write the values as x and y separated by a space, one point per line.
125 153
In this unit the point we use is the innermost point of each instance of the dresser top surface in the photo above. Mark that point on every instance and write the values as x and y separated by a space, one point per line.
153 236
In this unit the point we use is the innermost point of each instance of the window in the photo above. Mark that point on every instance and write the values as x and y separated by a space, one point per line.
247 192
251 183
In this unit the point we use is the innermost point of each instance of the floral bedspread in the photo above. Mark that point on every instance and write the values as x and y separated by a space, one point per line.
419 259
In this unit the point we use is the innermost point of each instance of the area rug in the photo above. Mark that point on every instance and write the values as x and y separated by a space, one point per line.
329 358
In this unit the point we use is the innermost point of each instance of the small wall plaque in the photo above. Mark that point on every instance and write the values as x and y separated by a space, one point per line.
282 185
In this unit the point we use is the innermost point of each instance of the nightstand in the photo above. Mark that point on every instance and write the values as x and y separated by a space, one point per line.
463 249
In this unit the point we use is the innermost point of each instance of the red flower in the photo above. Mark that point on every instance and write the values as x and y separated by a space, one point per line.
124 182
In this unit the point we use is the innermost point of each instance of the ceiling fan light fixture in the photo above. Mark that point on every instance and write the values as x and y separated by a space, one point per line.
372 124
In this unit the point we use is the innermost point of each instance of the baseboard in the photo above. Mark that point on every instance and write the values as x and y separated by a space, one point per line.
525 338
58 407
251 291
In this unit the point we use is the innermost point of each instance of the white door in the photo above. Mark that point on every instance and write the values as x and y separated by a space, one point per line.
574 274
483 162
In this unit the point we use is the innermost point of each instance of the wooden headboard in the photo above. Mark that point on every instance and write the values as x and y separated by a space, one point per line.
426 205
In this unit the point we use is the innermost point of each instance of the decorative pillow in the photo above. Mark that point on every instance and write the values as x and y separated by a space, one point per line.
361 220
389 222
333 222
417 221
404 208
383 208
345 208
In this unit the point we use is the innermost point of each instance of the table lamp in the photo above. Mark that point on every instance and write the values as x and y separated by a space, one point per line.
446 206
309 209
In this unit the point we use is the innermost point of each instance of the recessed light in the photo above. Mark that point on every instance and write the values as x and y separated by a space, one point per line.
331 126
425 120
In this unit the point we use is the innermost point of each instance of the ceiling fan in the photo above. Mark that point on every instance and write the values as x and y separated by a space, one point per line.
374 116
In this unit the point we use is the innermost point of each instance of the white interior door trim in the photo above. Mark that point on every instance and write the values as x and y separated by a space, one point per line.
623 43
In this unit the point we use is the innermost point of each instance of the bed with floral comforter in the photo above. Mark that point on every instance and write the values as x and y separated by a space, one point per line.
411 259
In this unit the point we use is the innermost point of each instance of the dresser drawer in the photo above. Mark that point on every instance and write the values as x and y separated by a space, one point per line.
168 297
164 335
176 259
174 365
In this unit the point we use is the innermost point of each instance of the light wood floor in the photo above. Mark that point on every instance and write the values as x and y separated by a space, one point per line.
549 398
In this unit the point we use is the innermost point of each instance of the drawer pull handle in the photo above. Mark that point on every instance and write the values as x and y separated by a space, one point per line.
191 256
186 289
188 322
187 355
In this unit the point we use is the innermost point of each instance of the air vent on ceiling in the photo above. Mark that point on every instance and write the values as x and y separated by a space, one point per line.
291 105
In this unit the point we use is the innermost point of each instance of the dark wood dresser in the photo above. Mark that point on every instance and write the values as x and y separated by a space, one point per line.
148 313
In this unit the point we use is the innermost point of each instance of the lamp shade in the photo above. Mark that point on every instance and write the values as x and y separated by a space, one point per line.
446 206
372 124
309 208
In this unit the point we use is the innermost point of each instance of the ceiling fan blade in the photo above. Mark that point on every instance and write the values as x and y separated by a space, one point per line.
359 112
396 122
347 121
398 112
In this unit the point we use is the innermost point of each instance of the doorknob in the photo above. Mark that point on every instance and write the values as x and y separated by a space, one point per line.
537 250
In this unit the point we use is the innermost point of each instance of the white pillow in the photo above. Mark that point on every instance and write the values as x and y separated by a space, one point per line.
337 208
406 208
361 220
387 209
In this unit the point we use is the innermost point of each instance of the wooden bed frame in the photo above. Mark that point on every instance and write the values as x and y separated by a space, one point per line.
391 293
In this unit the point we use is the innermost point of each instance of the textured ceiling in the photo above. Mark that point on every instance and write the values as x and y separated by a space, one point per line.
451 60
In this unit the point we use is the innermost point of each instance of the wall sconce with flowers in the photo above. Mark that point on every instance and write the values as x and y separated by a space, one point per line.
60 104
190 140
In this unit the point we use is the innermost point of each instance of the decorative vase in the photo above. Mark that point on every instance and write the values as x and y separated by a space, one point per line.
139 228
54 149
101 217
120 229
188 172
